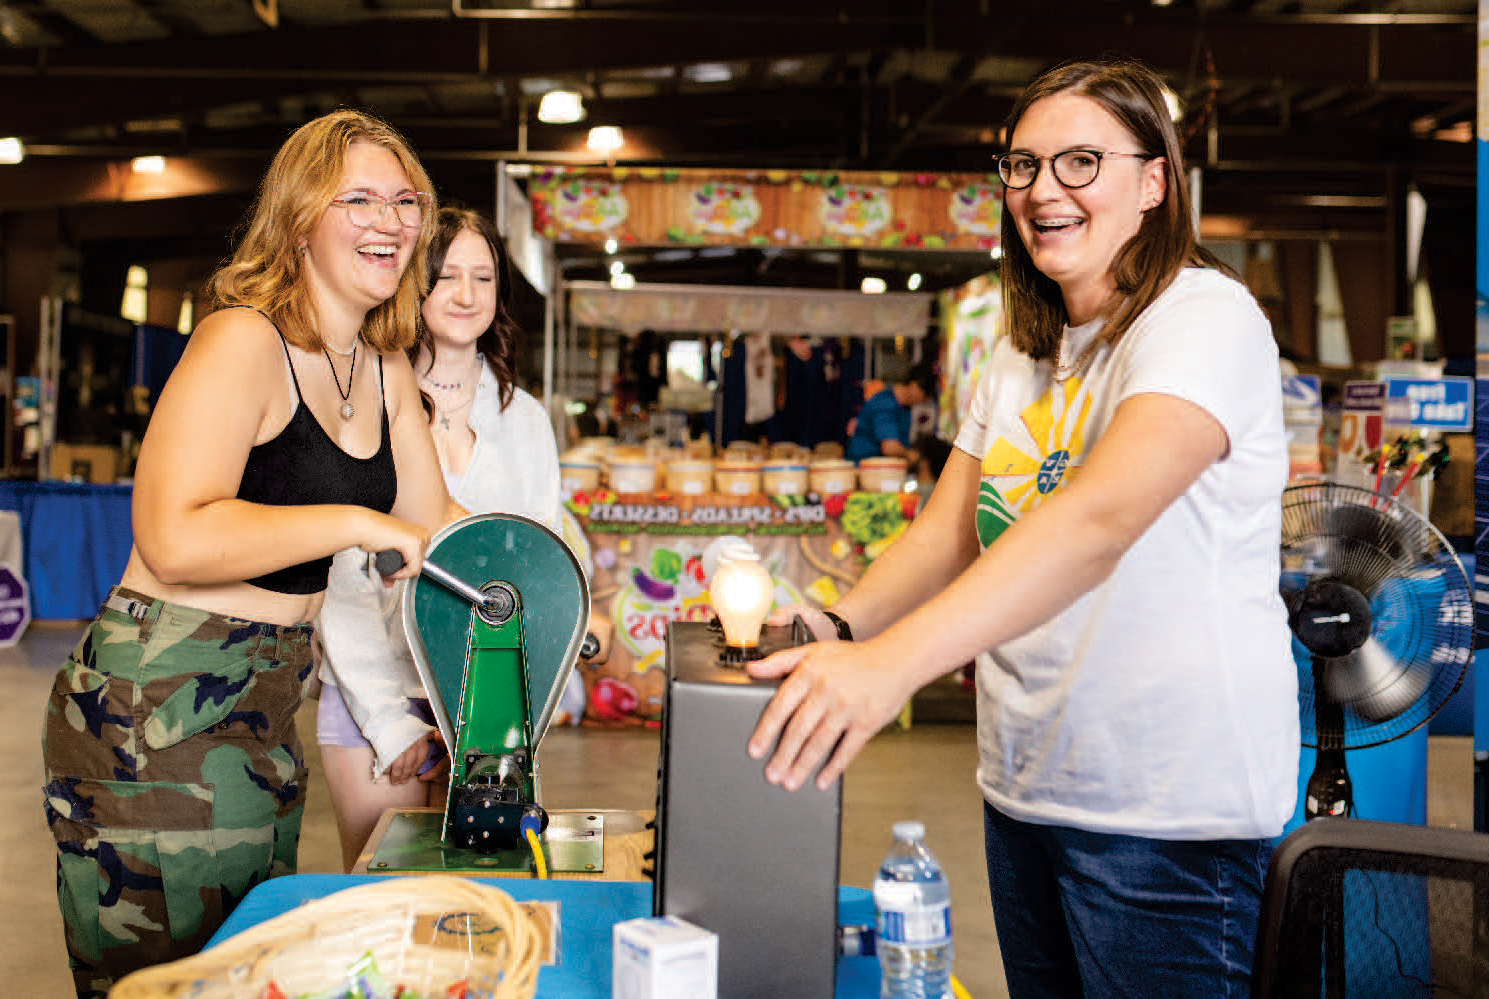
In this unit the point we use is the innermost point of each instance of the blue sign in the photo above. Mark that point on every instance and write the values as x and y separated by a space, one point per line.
1302 399
1431 403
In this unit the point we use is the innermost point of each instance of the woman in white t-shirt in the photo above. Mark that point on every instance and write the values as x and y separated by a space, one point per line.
1104 540
496 449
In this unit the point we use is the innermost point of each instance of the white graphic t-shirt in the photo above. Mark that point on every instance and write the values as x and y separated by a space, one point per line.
1162 703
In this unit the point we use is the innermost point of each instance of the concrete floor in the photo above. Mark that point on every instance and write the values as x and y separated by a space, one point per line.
925 772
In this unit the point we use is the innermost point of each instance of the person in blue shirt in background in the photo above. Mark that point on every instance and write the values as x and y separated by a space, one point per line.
883 426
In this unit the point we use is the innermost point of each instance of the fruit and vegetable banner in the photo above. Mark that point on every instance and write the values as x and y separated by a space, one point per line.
651 558
660 206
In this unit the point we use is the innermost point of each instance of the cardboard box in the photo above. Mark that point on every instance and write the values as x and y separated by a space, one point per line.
664 957
85 463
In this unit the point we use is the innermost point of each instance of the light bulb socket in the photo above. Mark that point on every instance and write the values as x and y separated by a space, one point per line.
738 655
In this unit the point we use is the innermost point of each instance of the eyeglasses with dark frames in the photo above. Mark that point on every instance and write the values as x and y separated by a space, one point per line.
1073 168
365 210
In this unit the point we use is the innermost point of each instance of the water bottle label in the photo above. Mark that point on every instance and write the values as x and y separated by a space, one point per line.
917 925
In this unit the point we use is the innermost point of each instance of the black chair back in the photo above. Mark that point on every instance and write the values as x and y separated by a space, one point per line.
1364 909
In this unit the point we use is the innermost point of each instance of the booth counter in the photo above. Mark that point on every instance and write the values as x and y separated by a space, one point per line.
650 556
587 912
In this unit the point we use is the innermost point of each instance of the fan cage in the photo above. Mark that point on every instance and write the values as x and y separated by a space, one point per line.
1421 600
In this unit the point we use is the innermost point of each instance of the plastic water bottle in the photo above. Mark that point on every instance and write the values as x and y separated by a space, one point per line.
914 919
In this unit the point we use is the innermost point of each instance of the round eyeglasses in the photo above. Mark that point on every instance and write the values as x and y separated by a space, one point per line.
1073 168
368 210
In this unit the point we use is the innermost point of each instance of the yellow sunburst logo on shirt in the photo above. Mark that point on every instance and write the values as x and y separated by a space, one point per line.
1019 472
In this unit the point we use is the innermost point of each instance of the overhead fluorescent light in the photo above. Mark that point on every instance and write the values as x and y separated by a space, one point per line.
709 72
561 107
148 164
12 150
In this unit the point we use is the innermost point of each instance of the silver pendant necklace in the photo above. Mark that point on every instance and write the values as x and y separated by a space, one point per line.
347 409
445 414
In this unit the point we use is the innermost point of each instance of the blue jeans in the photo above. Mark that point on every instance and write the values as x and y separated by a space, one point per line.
1094 915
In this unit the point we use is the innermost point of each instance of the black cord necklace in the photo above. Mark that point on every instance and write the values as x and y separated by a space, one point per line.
347 409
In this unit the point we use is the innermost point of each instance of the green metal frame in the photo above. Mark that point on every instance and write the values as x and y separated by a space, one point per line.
485 678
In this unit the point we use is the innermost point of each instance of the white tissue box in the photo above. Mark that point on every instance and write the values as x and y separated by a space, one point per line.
664 957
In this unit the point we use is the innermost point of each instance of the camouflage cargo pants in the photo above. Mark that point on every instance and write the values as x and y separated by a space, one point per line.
175 778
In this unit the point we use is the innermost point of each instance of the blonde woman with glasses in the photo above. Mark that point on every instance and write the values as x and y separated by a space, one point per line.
290 430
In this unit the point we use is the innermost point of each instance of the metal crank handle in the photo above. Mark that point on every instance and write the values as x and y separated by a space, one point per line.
390 560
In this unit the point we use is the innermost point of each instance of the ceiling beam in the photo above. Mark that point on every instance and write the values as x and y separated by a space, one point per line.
63 28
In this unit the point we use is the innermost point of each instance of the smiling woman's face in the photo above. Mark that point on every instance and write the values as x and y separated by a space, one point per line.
355 269
462 304
1073 235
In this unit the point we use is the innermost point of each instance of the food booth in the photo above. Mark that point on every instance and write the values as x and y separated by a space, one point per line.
647 520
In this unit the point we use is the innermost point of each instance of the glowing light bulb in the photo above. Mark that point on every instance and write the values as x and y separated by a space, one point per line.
741 593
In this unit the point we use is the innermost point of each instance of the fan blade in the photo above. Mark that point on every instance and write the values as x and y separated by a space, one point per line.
1348 534
1373 683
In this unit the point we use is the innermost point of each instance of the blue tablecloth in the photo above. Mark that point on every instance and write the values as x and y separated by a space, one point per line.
77 539
587 911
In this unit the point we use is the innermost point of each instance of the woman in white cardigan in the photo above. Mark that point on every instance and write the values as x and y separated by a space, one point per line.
379 746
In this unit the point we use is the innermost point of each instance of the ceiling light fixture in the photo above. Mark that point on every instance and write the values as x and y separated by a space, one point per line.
148 164
12 150
606 139
561 107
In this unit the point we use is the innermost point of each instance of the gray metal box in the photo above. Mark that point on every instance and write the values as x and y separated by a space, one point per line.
754 863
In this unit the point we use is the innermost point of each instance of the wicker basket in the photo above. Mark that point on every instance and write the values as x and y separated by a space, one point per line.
429 937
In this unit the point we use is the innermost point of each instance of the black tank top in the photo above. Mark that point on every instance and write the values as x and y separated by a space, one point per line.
303 466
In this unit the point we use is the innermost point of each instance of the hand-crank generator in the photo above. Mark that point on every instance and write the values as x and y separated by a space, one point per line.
495 621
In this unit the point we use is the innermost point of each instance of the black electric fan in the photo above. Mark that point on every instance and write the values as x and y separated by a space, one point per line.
1382 617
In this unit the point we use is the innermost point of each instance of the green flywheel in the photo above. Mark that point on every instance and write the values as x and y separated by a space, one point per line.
484 551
